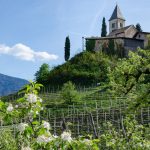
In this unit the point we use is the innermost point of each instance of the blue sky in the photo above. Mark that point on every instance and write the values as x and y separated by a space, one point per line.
33 32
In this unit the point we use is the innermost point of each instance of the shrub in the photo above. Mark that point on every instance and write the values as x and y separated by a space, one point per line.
69 93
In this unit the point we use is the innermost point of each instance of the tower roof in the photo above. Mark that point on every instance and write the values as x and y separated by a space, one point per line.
117 14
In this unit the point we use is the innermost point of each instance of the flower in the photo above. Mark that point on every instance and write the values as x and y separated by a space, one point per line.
87 141
43 139
22 127
10 108
25 148
46 125
40 100
31 98
66 136
37 112
55 136
16 106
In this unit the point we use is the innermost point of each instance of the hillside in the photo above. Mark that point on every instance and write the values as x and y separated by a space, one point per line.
85 68
10 84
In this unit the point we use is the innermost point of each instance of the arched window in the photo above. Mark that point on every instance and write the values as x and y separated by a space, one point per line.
113 25
121 25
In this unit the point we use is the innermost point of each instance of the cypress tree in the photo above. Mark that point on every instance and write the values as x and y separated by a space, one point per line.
67 48
104 28
138 27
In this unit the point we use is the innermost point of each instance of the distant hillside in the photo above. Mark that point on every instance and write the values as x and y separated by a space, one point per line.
10 84
85 68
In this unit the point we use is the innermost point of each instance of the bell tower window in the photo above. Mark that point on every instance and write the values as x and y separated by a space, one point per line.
113 25
121 25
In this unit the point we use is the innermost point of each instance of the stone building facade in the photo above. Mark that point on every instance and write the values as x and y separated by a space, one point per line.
127 37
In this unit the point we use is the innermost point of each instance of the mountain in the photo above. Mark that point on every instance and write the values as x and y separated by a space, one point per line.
9 85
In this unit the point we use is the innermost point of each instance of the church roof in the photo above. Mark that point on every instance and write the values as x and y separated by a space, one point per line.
118 31
117 14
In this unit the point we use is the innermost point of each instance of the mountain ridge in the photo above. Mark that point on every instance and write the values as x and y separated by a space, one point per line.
10 85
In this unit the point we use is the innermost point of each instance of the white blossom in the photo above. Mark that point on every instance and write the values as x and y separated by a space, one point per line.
87 141
40 100
31 98
55 136
10 108
25 148
16 106
46 125
37 112
66 136
22 127
44 139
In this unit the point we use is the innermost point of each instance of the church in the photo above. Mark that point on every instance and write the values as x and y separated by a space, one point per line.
124 37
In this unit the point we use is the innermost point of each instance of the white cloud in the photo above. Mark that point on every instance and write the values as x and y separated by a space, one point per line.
24 52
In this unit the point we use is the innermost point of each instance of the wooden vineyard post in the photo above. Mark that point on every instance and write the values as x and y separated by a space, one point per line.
97 122
141 115
93 125
148 115
55 125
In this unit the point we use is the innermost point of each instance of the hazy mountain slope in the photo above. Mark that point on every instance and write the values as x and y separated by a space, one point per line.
10 84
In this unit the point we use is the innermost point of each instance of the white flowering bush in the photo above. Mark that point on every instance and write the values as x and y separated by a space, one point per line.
33 134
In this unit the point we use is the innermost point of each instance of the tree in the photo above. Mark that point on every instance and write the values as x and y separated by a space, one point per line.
104 28
90 45
138 27
131 78
41 76
67 48
69 93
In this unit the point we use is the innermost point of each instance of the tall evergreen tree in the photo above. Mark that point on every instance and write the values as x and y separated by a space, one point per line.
104 28
67 48
138 27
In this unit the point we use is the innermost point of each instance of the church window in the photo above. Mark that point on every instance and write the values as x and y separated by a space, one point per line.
121 25
113 25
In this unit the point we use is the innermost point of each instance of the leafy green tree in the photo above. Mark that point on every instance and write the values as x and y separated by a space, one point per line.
90 45
69 93
41 76
138 27
67 48
104 28
131 78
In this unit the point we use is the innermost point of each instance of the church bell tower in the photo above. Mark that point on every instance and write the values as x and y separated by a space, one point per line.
116 21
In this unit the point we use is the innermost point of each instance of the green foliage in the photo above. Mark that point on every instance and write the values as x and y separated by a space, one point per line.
7 141
132 136
148 46
138 27
34 134
67 48
90 45
131 78
69 93
41 76
111 46
104 28
85 68
120 51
